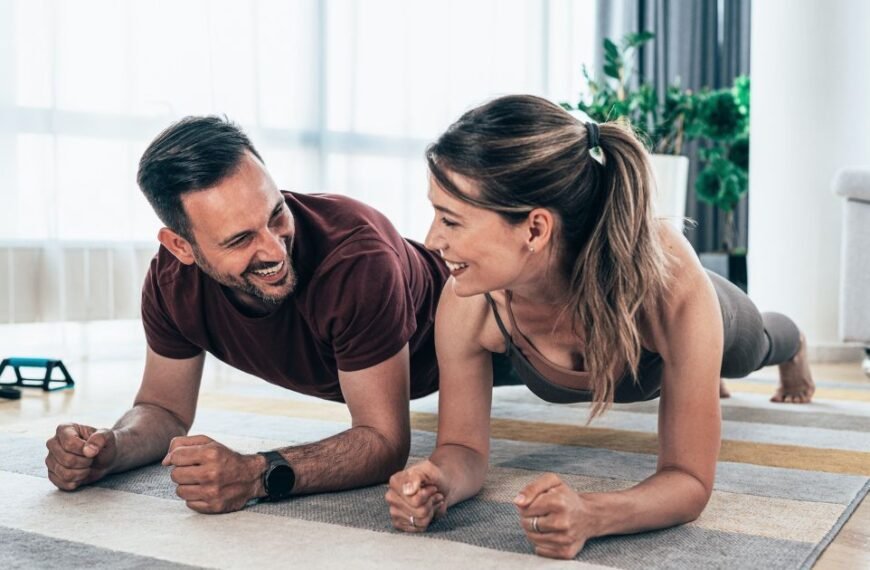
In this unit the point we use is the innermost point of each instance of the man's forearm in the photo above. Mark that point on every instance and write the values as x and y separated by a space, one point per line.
357 457
142 436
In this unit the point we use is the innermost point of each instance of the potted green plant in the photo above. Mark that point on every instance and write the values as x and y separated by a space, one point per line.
718 119
722 123
660 121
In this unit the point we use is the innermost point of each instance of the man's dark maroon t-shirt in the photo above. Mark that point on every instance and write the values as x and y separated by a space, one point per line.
363 291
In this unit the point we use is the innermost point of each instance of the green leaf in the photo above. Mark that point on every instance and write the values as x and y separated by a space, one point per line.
718 119
707 185
740 91
739 153
721 116
637 39
611 70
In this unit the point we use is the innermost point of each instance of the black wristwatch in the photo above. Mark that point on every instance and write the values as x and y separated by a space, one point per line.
279 477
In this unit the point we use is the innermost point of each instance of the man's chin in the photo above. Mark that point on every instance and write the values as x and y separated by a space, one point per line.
274 299
274 293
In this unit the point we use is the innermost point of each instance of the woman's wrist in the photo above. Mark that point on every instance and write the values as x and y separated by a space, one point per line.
459 468
602 513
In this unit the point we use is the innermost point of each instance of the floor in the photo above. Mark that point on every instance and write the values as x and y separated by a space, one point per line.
851 548
109 382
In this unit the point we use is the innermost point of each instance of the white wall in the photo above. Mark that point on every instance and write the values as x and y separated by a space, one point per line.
810 116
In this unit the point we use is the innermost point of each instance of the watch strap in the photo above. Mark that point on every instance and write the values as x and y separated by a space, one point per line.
273 457
273 460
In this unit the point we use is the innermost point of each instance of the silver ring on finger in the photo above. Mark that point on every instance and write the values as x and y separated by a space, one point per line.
411 520
535 525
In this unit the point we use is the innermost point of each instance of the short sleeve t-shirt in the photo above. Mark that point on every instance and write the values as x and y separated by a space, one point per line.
362 293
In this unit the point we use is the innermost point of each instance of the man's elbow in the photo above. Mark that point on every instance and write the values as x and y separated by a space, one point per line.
393 456
396 462
397 457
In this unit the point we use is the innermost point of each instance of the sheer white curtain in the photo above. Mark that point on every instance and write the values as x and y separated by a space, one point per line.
338 95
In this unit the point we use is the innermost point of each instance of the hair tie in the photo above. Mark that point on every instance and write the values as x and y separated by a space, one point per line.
593 134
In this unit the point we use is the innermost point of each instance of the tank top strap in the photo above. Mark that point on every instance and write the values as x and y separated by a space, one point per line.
498 321
508 298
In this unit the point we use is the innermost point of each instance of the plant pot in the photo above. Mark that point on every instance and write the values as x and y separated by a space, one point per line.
671 174
731 266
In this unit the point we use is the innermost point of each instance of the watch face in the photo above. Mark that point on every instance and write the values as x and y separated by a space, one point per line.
280 481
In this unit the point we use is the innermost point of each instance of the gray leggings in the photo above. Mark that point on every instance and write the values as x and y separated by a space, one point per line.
752 339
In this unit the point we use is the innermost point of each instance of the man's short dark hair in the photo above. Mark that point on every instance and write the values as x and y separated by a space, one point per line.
193 154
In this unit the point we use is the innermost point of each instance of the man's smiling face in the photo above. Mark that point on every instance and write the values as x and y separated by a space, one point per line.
243 234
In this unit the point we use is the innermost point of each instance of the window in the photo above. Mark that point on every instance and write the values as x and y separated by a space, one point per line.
338 95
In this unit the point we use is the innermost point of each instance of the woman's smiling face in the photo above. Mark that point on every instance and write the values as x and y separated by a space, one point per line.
483 251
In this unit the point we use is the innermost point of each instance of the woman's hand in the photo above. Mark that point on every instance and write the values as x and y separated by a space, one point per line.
557 521
417 496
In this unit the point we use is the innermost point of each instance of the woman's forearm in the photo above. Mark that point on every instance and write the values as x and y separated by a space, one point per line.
463 468
668 498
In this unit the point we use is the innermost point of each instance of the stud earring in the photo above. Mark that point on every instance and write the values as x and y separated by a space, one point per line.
531 249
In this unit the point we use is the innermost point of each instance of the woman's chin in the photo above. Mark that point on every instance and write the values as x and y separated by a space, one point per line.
464 289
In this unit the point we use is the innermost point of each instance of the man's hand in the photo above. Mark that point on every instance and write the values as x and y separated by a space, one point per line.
417 496
557 521
79 455
213 478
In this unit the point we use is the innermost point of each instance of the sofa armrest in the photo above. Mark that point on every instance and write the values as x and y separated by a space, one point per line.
853 183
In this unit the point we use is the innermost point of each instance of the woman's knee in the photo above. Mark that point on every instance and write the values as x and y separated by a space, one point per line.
785 338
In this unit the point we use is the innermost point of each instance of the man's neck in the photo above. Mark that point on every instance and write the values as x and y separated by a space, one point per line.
249 305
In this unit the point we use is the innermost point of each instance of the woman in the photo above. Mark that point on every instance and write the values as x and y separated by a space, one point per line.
557 261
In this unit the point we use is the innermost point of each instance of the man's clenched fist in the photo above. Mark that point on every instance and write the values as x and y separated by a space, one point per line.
79 455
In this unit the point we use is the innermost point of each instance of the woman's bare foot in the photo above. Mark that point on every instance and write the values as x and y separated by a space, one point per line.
795 379
723 389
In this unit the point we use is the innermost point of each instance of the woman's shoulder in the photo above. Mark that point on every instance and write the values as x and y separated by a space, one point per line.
683 268
686 284
468 320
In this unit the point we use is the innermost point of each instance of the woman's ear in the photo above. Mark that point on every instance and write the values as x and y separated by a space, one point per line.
541 227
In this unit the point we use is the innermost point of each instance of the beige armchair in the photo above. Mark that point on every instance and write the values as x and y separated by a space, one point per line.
853 184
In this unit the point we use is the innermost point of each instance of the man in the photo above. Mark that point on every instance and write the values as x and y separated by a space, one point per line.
315 293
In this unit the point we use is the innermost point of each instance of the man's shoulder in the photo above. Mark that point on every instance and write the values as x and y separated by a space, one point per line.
364 259
330 205
336 218
336 229
347 241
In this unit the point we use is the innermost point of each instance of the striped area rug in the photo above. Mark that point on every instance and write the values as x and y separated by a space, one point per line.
788 479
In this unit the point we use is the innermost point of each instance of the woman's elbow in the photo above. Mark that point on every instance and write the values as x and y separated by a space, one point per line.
696 491
699 500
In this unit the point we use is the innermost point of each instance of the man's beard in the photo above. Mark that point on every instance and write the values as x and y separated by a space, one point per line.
244 282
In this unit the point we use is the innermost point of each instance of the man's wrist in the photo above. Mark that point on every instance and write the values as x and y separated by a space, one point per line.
257 465
116 440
